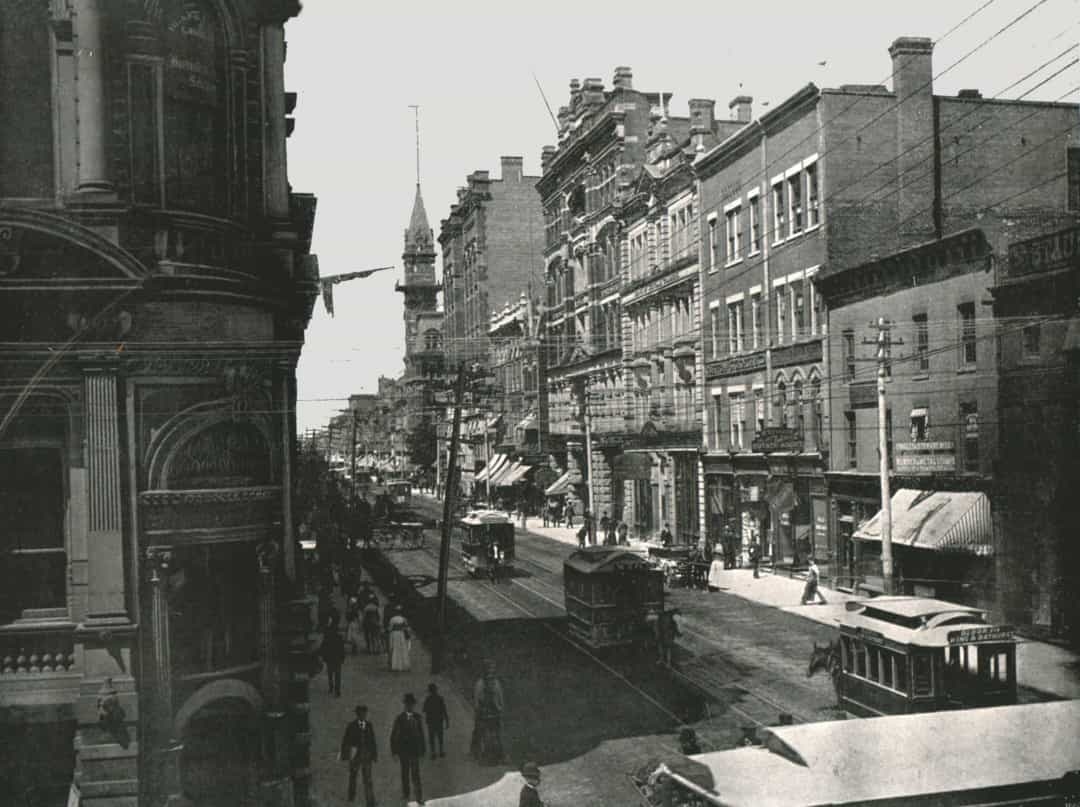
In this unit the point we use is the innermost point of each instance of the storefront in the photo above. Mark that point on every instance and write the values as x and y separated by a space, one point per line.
655 488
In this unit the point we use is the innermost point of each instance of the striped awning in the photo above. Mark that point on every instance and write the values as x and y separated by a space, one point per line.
559 486
513 474
506 469
941 520
494 466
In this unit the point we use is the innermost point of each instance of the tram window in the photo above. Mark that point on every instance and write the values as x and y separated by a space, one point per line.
921 674
846 653
860 659
995 664
887 668
901 673
874 665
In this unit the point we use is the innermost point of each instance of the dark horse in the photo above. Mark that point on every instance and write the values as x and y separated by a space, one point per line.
826 657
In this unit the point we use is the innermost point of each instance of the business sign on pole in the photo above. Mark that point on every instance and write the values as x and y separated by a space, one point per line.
925 457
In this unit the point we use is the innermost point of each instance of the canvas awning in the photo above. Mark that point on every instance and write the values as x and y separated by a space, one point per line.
941 520
513 475
494 465
559 486
497 476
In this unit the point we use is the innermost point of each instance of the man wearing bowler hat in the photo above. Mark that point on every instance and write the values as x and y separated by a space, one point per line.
407 744
530 791
358 748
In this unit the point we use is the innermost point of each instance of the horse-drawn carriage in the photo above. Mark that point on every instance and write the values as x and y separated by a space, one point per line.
613 597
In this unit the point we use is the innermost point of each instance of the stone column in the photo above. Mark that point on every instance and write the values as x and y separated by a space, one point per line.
105 563
159 561
275 175
90 96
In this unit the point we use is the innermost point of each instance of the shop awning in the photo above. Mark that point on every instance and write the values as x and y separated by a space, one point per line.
527 422
513 475
495 464
941 520
497 475
559 486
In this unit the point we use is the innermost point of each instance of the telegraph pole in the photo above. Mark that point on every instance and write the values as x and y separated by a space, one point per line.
352 471
884 344
448 514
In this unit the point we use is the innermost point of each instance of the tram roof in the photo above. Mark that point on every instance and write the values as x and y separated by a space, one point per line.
921 621
596 559
476 517
899 757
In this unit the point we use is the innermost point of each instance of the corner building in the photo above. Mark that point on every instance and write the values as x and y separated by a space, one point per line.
155 285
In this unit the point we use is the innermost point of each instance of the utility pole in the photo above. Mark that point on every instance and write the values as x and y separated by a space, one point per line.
588 449
352 470
884 346
448 514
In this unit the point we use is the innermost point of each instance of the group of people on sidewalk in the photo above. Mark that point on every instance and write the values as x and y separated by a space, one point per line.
408 744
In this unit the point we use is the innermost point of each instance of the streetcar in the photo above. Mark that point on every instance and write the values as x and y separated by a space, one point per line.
400 493
914 654
482 534
999 755
612 596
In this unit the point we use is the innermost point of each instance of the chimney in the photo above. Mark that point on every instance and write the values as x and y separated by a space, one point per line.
917 205
969 94
511 168
740 108
702 115
547 154
593 91
624 79
575 92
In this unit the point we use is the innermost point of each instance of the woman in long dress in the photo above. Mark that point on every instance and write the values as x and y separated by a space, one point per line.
400 642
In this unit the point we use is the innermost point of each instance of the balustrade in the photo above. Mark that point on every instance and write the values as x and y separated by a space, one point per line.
36 652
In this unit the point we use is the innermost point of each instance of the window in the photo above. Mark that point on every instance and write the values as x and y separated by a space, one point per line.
849 355
920 426
797 407
755 319
738 420
966 312
1074 178
921 673
1032 338
759 410
922 342
779 211
795 211
781 313
735 326
969 425
714 245
717 415
755 223
813 211
819 412
780 402
731 223
798 310
33 559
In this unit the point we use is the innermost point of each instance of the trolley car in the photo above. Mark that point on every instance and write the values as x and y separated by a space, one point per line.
483 535
611 596
1004 755
911 654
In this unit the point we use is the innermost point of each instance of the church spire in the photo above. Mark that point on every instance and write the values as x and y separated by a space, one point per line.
419 237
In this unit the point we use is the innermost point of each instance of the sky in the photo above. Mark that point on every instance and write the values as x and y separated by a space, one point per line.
470 67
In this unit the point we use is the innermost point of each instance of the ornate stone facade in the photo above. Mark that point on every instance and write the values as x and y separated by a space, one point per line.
155 284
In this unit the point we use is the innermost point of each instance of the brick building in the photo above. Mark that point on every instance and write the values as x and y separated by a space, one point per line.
155 285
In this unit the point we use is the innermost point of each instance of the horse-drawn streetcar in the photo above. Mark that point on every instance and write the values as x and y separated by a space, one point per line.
486 537
612 596
911 654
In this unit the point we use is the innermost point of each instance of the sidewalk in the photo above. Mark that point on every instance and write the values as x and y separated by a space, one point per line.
365 679
1039 665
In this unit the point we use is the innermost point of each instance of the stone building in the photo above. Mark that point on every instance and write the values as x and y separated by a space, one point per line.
602 140
155 285
656 476
491 246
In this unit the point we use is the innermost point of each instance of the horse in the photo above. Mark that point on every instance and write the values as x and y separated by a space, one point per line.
827 657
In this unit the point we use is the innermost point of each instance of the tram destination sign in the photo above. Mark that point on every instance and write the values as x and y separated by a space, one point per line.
991 633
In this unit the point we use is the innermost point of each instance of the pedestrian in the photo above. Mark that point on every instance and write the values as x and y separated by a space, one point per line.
545 514
666 537
437 719
352 624
811 590
569 515
530 796
582 535
359 750
589 523
755 557
400 642
607 528
667 627
493 560
407 744
623 532
332 652
488 708
370 621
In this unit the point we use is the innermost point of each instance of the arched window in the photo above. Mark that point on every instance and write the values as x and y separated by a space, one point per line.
431 340
818 414
798 418
780 402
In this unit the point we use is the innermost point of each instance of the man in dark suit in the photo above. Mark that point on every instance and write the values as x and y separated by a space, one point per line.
407 744
358 748
530 796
